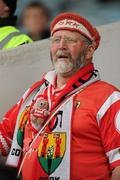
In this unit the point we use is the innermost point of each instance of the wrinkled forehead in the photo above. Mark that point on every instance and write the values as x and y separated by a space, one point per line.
68 33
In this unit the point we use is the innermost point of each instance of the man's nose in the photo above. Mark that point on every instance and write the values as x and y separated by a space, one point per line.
63 43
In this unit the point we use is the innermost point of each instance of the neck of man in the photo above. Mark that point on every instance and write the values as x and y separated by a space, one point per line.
62 80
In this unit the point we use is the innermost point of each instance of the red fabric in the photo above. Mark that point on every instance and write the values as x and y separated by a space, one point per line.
32 169
73 16
88 158
89 141
7 127
85 71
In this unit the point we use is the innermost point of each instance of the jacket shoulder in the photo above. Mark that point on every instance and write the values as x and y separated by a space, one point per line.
103 87
97 92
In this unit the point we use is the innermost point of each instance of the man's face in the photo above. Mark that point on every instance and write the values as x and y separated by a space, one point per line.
4 9
67 52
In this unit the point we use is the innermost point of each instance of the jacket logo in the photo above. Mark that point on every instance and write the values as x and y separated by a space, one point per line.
51 151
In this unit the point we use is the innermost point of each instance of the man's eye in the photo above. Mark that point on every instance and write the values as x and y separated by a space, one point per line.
70 40
56 40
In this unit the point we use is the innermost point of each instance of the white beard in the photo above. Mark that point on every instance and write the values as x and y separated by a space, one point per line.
69 66
62 67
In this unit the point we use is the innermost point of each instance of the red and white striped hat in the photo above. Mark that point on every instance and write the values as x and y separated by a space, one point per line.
74 22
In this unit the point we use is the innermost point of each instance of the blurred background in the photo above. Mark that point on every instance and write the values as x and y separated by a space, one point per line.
97 11
34 17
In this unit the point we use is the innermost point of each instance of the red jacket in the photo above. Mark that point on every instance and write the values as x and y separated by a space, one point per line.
94 139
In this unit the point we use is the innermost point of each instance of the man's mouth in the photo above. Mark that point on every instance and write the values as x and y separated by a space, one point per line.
62 57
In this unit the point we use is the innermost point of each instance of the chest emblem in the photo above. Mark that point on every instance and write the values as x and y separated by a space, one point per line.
51 151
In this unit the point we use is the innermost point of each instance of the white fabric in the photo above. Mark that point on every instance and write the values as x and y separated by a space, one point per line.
117 122
4 143
115 96
67 23
113 155
12 159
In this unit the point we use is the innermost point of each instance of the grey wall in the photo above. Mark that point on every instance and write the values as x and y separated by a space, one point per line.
107 57
22 66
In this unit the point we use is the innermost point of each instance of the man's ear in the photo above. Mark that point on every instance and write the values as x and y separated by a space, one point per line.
90 51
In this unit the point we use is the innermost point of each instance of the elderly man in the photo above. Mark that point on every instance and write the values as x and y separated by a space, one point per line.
82 125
